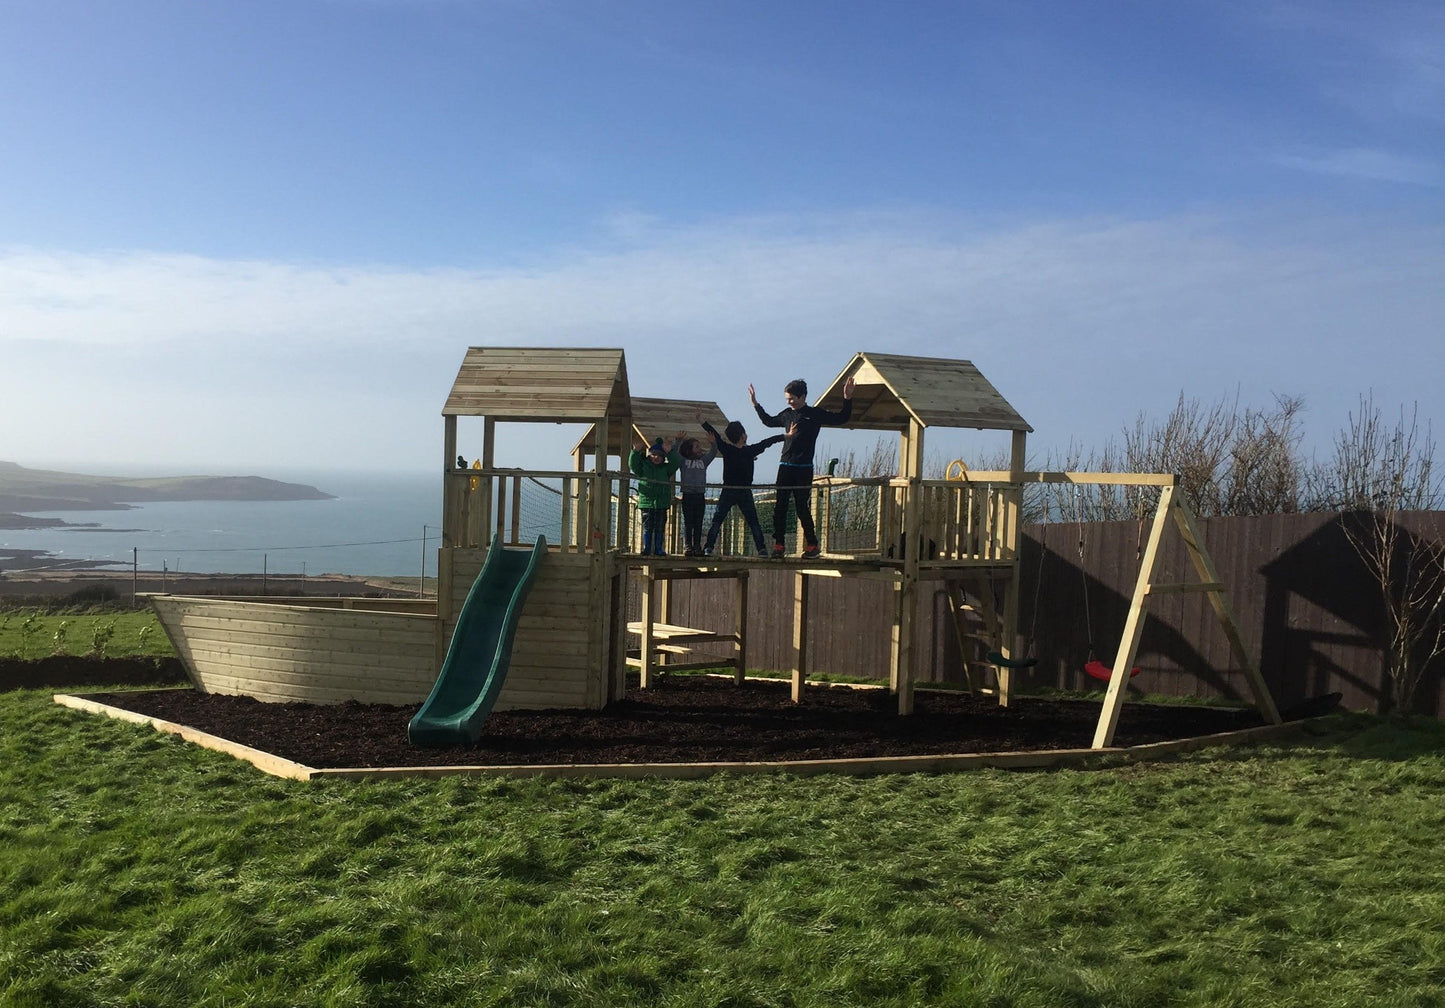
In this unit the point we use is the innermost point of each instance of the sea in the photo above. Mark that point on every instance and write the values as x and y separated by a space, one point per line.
379 524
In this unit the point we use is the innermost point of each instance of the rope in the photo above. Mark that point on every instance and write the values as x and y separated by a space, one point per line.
1084 575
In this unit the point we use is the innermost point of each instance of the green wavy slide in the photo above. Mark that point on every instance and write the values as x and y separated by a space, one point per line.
481 648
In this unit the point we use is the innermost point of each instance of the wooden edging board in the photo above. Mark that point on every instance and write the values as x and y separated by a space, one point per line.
279 767
263 761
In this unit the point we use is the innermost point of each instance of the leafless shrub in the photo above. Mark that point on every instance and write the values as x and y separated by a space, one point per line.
879 460
1377 469
1228 461
1376 474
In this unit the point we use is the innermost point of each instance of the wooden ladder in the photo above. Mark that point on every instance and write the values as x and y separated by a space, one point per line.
978 624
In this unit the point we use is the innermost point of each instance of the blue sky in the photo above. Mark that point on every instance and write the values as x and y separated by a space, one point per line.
254 236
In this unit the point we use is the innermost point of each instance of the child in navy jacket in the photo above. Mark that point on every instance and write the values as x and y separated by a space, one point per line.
795 466
738 458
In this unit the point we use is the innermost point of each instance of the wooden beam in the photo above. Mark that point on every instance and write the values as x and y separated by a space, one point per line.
1082 478
1186 587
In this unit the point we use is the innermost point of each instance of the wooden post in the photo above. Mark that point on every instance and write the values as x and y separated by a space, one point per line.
484 496
598 525
800 634
446 605
740 627
662 596
911 469
451 498
1012 527
515 530
645 650
619 632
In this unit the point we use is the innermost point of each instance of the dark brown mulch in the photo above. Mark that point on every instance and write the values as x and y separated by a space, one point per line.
67 671
685 719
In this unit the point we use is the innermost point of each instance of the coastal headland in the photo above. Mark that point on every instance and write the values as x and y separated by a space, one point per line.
24 491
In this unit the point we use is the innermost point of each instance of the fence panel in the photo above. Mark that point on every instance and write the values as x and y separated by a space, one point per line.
1308 612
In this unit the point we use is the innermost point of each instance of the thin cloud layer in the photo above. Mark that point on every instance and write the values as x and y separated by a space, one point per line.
1081 324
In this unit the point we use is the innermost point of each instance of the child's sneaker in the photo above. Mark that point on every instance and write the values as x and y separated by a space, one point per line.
778 551
812 552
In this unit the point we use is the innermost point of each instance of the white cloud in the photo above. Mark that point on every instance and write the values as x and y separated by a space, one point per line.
1379 165
1081 324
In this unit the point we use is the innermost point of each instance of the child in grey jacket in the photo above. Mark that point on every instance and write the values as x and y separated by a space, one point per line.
695 460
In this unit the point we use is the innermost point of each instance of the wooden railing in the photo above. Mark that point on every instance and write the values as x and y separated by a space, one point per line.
973 520
575 511
957 521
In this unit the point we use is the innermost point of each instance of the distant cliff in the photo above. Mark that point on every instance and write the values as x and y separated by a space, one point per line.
23 490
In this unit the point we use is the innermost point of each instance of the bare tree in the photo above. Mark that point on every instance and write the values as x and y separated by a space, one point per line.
879 460
1376 476
1374 469
1192 442
1265 473
1229 462
1089 502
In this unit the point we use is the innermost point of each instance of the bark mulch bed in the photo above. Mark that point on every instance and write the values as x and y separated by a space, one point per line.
684 719
71 671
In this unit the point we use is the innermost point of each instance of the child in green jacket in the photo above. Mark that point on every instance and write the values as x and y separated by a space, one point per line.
653 468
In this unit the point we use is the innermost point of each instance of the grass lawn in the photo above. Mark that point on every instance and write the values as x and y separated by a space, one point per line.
138 870
30 633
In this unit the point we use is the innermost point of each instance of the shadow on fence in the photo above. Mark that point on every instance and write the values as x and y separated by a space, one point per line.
1308 610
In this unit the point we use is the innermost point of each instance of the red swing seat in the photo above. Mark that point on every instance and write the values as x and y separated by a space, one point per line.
1099 670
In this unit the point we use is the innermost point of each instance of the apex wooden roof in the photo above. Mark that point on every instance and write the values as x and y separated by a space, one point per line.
654 418
542 384
891 390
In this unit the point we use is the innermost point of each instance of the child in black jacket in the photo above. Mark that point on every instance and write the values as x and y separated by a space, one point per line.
795 466
738 458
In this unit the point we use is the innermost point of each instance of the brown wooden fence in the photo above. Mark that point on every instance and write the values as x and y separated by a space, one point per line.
1308 611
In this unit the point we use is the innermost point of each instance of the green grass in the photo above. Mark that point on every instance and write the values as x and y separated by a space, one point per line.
31 633
138 870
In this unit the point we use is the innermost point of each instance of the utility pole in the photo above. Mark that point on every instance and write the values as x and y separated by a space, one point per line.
421 581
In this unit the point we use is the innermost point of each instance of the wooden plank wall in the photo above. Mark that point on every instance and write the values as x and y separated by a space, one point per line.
555 653
315 654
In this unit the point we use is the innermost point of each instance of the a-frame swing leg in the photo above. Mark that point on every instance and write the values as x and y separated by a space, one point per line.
1209 574
1179 512
1133 627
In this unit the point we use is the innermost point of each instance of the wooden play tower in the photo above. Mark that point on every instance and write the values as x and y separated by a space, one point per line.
965 533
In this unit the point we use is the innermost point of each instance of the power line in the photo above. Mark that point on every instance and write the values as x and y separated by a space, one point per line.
259 549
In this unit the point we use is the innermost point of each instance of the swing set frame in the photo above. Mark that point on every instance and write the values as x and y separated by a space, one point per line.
1173 512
